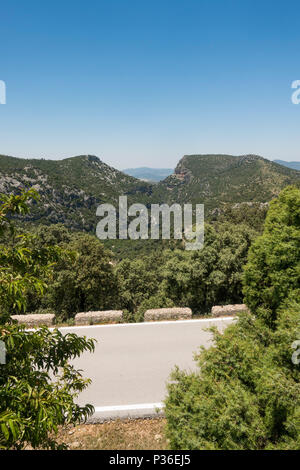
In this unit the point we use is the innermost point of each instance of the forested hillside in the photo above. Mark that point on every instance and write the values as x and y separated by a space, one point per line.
71 189
219 179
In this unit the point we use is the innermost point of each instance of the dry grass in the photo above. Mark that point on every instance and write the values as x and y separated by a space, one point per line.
138 434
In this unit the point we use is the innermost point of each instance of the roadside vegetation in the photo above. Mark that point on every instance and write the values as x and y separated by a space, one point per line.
246 393
88 276
38 384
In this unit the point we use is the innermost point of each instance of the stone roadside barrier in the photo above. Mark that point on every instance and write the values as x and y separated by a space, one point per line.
220 310
35 319
168 314
116 316
90 318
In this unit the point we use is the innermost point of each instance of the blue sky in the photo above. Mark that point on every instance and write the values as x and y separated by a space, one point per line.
141 83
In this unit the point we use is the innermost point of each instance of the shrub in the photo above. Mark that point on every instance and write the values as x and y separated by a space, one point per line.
246 394
273 270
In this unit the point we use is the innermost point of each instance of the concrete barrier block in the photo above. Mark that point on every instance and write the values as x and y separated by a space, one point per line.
90 318
168 314
220 310
35 319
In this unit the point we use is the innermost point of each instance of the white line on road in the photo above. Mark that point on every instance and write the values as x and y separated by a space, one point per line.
122 325
139 406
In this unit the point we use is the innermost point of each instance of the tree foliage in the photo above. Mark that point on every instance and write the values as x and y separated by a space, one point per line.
273 269
246 392
213 275
22 266
84 280
38 384
87 277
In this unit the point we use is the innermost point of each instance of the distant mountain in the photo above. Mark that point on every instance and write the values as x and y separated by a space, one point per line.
218 179
70 189
149 174
294 165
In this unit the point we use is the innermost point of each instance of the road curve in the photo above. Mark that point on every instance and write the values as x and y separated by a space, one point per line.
132 363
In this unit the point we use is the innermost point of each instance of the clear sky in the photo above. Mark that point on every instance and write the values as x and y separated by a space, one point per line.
141 83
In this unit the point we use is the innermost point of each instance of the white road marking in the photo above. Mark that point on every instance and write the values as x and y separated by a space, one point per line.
139 406
123 325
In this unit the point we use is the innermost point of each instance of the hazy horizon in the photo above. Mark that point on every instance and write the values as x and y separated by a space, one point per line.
122 168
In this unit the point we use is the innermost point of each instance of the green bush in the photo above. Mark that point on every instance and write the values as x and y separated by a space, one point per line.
273 270
246 394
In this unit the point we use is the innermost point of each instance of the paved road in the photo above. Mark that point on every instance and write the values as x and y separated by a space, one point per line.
132 363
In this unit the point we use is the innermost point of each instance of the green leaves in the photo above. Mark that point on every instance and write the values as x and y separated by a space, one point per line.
212 275
16 204
11 429
38 385
273 270
246 393
23 267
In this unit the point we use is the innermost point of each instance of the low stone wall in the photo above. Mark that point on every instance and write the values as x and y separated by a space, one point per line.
116 316
34 319
220 310
90 318
168 314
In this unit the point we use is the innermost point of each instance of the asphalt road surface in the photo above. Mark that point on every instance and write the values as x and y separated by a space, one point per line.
132 363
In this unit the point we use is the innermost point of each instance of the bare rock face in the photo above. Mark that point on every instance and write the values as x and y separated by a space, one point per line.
34 319
221 310
90 318
175 313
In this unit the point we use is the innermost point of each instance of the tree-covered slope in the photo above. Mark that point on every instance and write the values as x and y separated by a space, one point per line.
70 189
219 179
